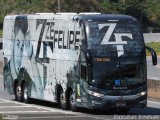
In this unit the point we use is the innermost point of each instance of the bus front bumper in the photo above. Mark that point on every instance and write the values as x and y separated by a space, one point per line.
108 102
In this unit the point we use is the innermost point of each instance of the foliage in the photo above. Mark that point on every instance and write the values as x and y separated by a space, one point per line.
1 32
155 46
146 11
153 11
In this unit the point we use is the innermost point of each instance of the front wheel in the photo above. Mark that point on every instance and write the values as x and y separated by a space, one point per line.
72 102
18 93
62 100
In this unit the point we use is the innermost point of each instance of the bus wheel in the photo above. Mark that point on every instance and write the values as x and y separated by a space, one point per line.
72 102
18 93
25 93
62 100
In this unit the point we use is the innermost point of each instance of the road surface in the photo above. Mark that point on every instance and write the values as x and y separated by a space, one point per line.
39 110
151 37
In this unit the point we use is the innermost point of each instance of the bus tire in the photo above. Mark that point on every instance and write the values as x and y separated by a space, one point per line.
62 100
25 93
18 93
72 102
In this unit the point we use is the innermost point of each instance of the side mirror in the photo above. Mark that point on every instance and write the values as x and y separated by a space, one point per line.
154 55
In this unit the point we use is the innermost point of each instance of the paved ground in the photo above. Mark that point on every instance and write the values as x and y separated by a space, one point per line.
153 72
151 37
39 110
32 111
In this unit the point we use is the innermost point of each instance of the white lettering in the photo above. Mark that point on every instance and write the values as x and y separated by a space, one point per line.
120 43
118 37
108 33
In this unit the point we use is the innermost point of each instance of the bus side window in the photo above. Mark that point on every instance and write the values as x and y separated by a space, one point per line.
83 72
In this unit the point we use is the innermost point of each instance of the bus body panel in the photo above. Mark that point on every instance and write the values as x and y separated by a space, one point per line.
48 51
48 56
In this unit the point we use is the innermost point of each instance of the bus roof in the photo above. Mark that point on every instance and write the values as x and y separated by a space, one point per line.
68 16
112 17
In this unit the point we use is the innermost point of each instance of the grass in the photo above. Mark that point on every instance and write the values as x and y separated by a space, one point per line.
1 31
155 46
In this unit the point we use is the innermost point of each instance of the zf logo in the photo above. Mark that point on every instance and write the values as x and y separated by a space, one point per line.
118 37
117 82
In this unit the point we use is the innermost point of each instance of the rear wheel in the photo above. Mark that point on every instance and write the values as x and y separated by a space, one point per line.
72 102
25 93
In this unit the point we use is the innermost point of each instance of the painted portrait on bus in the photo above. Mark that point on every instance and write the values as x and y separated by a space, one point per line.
12 68
22 53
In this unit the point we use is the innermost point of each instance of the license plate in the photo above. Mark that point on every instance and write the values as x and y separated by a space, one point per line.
120 104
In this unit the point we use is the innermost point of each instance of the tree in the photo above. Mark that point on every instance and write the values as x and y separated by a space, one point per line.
5 8
146 11
153 12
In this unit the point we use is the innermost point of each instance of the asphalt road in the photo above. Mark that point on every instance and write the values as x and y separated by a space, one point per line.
151 37
40 110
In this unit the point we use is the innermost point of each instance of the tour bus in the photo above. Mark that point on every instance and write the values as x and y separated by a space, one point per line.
89 60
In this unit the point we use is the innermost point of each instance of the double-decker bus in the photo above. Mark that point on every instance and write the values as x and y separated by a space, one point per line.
93 60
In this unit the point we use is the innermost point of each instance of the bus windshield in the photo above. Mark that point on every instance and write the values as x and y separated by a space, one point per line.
118 52
120 38
129 71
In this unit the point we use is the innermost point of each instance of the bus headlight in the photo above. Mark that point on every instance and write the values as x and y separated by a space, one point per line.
95 94
142 93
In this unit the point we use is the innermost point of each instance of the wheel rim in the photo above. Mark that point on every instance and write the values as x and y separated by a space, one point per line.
18 91
72 101
62 98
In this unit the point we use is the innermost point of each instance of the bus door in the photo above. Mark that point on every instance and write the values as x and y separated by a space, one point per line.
82 85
